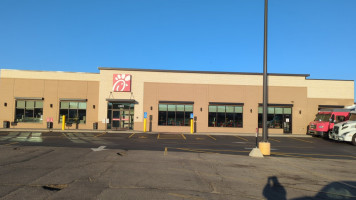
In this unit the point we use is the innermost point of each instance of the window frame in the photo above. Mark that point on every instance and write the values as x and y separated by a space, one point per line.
33 109
183 121
269 115
69 109
237 120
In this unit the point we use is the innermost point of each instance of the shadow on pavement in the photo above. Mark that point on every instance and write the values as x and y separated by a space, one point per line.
273 189
335 190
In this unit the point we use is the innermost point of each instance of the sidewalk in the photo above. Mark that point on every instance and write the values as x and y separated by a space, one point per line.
133 131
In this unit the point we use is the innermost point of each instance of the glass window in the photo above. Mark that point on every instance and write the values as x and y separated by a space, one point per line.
221 109
212 108
260 109
189 108
275 116
30 104
180 107
82 105
287 110
270 110
75 111
162 107
171 107
278 110
20 104
29 111
39 104
174 114
238 109
225 116
230 109
64 105
73 105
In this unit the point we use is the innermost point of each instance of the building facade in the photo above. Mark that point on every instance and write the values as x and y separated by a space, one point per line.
120 99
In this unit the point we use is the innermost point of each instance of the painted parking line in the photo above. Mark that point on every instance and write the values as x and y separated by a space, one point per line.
310 155
241 138
100 135
184 196
301 140
11 143
210 150
170 137
131 135
211 137
274 140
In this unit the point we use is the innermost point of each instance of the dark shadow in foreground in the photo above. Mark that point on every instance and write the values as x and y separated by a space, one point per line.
335 190
273 189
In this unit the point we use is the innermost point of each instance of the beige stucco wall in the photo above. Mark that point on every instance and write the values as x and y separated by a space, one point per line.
201 95
51 86
201 88
342 92
48 75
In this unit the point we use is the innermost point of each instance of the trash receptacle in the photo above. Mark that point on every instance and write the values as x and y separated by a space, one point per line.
6 124
49 125
95 125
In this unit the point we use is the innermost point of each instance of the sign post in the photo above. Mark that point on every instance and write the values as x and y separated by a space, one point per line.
144 121
191 123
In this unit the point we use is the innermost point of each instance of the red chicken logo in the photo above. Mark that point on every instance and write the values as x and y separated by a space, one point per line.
121 83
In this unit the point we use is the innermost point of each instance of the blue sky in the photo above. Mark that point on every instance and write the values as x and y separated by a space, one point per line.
316 37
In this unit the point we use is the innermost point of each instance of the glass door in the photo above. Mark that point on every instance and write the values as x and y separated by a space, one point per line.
120 115
287 124
116 118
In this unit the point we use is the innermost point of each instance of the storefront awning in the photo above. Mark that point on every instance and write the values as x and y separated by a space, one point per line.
71 99
29 98
178 102
277 105
122 100
226 103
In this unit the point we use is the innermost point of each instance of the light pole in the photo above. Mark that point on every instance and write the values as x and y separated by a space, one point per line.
265 145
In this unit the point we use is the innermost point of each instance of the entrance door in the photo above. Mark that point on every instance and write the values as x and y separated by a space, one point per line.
116 118
287 124
121 116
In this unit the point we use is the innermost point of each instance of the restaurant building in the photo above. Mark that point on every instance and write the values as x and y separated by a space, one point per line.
120 99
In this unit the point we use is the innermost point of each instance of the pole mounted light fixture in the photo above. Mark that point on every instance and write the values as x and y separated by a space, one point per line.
265 78
265 146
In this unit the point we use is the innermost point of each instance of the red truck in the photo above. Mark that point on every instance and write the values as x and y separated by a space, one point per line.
325 119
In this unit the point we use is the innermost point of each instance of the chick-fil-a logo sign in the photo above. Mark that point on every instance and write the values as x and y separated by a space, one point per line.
121 83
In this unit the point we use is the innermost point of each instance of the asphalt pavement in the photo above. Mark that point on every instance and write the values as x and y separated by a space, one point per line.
133 165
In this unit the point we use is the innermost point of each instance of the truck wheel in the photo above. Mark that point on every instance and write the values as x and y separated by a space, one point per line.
325 135
353 141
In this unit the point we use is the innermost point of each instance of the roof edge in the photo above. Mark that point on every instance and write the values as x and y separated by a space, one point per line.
200 72
48 71
313 79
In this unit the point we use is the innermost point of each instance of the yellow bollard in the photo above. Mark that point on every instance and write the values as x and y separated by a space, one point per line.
63 122
144 124
265 148
191 126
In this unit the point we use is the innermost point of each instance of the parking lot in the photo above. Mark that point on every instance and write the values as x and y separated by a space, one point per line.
283 146
79 165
